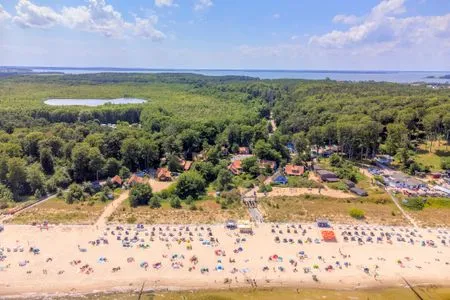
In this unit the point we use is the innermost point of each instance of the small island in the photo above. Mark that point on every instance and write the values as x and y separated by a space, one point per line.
447 76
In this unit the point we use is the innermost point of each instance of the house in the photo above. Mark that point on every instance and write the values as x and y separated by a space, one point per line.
244 150
327 176
293 170
185 164
360 192
116 180
163 174
263 164
281 180
134 179
235 167
349 183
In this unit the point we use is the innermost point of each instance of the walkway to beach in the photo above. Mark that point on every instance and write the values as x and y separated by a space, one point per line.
111 208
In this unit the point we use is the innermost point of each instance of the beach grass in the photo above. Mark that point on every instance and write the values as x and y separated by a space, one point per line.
57 211
307 208
206 212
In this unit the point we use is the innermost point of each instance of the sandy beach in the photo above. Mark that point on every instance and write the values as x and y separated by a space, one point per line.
82 259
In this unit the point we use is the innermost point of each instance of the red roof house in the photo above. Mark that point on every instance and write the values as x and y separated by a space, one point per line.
163 174
293 170
117 180
235 167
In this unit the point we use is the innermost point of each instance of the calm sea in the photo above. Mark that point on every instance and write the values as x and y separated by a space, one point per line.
388 76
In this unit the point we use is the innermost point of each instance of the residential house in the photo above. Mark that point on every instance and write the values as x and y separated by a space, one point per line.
360 192
163 174
327 176
116 180
134 179
236 167
185 164
263 164
293 170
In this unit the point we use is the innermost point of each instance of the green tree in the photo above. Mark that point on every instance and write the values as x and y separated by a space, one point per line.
131 153
190 184
75 193
250 165
140 194
397 137
5 194
224 180
46 159
112 167
17 177
36 179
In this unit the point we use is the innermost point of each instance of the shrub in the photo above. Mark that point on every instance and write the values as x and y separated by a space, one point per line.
175 202
155 202
140 194
192 207
75 193
415 203
357 213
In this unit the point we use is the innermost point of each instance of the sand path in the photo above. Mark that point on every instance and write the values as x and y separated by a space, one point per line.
111 208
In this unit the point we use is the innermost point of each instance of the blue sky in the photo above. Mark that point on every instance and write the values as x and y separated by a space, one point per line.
231 34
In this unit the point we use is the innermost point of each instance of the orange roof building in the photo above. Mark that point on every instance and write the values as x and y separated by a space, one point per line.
117 180
235 167
163 174
135 179
293 170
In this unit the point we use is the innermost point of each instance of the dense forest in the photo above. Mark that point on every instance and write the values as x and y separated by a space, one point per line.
44 149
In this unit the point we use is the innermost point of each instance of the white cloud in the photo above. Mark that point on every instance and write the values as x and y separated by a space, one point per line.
294 37
203 4
161 3
276 16
145 28
346 19
30 15
383 25
96 16
4 15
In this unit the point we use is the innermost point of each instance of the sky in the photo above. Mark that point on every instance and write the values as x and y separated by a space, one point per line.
227 34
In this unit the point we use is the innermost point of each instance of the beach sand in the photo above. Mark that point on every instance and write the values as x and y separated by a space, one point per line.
40 276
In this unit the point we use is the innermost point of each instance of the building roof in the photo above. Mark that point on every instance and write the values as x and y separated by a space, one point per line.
135 179
326 172
235 167
294 170
358 191
163 172
263 163
185 164
117 179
